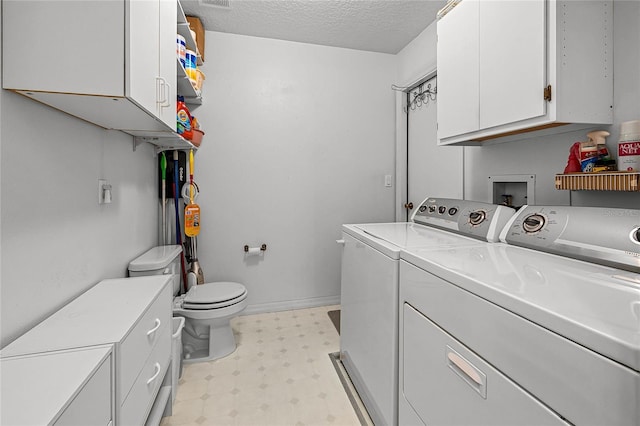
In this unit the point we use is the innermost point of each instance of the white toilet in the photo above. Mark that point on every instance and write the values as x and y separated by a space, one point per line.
207 308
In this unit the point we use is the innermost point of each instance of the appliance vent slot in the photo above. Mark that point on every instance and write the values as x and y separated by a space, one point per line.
217 3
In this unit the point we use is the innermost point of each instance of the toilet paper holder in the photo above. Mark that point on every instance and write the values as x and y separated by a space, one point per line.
263 247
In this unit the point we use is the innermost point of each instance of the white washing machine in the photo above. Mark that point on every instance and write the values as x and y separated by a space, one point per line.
369 295
524 333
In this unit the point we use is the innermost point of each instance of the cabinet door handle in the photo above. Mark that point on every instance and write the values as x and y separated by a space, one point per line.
341 242
167 93
155 375
161 91
154 329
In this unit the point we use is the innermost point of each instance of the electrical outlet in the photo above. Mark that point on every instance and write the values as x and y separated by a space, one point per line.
101 183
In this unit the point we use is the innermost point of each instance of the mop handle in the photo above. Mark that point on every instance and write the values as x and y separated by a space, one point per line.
191 176
175 194
163 169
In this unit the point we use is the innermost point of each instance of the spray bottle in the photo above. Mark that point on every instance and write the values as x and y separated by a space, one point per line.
593 150
604 162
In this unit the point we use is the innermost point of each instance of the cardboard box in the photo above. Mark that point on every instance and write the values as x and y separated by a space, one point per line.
196 25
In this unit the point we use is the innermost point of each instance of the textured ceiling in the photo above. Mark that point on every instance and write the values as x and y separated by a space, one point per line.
375 25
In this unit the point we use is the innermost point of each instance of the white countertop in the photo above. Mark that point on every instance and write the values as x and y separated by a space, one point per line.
131 297
35 390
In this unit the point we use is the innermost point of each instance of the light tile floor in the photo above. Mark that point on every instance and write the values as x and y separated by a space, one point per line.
280 374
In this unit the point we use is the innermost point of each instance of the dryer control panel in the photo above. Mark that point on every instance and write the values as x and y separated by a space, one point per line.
606 236
474 219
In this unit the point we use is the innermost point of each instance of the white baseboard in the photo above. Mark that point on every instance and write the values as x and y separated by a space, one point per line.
288 305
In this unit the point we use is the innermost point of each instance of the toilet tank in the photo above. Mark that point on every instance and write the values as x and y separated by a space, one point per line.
161 260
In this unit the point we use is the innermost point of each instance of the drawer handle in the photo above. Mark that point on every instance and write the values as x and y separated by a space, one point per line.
154 329
475 378
156 374
465 367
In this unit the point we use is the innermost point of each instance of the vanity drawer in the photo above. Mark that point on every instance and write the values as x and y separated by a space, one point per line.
136 406
153 327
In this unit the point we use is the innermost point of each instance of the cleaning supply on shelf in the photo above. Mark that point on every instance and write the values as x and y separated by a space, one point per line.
584 155
181 49
605 166
192 210
599 138
191 61
629 146
573 162
183 126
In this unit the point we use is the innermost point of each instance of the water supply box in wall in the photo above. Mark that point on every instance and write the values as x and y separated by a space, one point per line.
196 25
182 173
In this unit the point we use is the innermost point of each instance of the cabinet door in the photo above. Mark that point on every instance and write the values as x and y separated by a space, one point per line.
167 65
142 34
512 61
61 46
458 97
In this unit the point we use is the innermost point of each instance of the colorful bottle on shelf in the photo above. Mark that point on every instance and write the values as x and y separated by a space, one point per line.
183 126
181 49
191 66
629 147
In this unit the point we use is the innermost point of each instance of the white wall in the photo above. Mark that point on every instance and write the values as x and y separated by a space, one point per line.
298 140
546 156
56 240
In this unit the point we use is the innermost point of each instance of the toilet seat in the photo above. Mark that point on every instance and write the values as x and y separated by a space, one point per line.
214 295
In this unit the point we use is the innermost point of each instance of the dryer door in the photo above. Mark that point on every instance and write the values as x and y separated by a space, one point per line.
447 384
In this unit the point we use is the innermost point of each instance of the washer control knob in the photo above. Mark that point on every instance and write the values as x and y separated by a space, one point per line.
533 223
453 211
635 235
432 209
477 217
442 209
422 209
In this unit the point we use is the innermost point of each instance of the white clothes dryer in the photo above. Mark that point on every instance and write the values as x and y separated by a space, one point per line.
369 292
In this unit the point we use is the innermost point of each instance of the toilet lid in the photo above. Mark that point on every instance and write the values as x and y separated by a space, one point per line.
214 295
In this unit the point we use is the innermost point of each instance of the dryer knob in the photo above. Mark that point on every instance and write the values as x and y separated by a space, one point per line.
477 217
533 223
636 235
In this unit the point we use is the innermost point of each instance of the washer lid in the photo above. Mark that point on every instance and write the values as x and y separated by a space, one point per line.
156 258
214 292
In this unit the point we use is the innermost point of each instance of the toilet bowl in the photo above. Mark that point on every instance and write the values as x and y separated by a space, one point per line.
207 308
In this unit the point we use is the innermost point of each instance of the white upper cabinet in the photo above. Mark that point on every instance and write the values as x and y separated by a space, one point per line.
109 62
514 92
458 64
497 59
